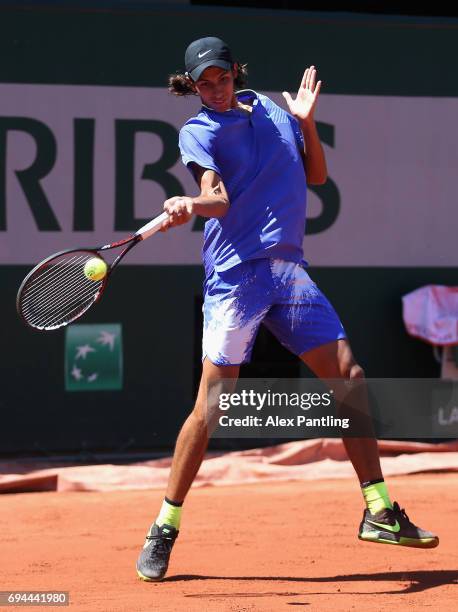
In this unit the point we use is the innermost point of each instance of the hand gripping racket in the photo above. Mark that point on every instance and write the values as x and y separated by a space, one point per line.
57 291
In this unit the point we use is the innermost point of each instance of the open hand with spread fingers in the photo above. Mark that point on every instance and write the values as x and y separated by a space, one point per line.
303 107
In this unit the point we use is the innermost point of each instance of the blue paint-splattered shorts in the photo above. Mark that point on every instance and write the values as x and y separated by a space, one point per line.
279 294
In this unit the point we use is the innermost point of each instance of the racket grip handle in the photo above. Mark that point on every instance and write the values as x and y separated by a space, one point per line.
152 226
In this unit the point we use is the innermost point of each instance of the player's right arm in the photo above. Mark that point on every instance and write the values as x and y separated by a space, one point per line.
212 201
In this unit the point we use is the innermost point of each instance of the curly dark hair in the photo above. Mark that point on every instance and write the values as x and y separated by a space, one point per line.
180 84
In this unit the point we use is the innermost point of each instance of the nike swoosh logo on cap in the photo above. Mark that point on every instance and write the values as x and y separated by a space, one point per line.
200 55
394 528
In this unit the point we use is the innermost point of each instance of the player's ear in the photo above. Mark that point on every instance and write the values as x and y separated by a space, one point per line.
235 70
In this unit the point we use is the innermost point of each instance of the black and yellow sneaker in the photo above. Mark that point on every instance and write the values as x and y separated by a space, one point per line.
392 526
153 561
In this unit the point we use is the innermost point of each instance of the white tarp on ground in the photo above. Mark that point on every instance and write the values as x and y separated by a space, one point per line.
304 460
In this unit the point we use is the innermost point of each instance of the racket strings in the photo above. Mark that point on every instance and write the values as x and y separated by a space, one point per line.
58 292
60 304
53 271
51 310
39 297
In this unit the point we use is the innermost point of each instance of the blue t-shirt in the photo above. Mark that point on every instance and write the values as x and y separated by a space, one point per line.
258 157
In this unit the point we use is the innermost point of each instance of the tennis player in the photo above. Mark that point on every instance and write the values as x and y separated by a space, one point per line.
252 161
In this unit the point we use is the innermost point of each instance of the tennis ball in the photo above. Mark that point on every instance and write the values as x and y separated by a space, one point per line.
95 269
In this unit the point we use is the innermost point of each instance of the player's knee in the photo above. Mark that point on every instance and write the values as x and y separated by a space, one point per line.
205 416
351 370
354 371
199 415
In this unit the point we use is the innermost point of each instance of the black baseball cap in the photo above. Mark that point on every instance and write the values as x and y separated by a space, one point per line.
205 52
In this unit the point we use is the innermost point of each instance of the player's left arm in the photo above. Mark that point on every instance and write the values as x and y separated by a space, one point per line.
303 108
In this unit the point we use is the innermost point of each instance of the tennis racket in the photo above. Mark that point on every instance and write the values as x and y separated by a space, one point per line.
57 291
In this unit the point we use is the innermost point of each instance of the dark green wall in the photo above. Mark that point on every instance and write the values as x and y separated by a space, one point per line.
359 55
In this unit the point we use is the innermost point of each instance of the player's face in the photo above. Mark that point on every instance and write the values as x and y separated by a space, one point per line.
216 88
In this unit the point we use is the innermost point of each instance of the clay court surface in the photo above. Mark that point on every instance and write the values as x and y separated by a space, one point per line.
251 547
